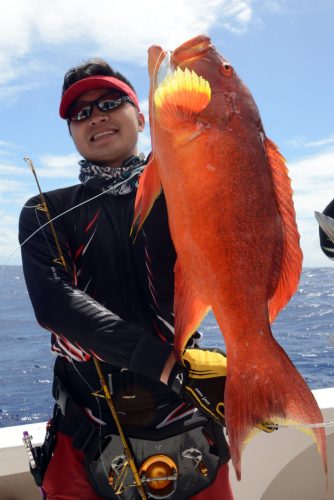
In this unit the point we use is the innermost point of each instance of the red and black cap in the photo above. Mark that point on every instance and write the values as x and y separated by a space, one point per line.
90 83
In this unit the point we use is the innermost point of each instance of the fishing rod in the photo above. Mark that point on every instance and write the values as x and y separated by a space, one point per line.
127 451
44 208
61 260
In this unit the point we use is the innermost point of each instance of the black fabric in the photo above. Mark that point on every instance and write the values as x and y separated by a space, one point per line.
116 296
327 246
149 403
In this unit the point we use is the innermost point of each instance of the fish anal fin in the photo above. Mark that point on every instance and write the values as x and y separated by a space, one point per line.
180 97
292 255
149 188
189 310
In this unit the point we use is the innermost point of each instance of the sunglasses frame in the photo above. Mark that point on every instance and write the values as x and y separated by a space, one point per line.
97 103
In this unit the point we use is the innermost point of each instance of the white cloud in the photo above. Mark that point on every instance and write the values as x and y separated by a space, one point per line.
302 142
312 181
6 144
272 6
9 185
7 148
144 140
313 176
238 15
8 169
28 25
56 166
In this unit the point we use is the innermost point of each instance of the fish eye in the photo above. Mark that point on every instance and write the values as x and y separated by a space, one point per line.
226 68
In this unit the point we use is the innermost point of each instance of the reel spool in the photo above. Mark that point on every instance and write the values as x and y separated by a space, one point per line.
158 475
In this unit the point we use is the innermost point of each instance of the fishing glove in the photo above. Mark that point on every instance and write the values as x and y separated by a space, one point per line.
201 381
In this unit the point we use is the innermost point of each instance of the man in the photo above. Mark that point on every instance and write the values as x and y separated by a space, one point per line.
103 295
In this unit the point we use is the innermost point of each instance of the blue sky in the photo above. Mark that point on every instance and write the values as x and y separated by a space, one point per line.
283 50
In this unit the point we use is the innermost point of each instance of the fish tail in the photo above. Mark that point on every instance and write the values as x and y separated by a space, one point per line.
263 385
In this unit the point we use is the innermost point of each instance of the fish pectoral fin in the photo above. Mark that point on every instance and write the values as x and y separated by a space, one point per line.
189 309
149 188
292 255
180 97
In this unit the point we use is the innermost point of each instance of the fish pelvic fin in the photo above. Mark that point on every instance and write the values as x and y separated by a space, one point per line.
149 188
262 385
292 255
180 97
189 310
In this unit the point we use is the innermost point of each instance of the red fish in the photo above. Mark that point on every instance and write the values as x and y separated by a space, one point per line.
232 221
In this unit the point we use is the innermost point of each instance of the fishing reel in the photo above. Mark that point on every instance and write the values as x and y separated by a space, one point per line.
158 475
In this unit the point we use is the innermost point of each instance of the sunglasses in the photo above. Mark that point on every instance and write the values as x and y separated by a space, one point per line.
82 111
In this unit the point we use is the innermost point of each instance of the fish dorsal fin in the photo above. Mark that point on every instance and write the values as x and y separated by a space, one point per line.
149 188
180 97
189 310
292 254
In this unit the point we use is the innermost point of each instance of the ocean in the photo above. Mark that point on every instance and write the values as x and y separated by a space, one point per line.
305 329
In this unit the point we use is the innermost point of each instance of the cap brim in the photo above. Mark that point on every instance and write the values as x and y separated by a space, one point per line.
90 83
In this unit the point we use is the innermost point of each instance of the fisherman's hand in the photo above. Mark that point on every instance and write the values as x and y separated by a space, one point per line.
201 381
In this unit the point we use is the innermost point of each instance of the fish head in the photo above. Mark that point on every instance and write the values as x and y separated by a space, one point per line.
230 100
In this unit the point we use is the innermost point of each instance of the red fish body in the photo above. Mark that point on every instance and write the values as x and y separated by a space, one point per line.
232 221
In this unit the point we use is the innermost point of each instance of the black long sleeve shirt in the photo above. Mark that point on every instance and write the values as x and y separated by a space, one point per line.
115 298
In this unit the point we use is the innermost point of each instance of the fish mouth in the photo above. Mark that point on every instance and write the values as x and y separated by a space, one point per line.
190 50
165 62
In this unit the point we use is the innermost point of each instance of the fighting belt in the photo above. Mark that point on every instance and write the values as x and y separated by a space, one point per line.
176 467
175 462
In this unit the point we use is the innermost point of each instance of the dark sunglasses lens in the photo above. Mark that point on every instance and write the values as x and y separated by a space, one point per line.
78 113
109 104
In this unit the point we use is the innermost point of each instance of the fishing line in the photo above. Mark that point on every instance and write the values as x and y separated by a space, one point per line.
319 425
137 171
46 240
100 414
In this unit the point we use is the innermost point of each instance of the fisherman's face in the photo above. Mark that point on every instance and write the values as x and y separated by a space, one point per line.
107 138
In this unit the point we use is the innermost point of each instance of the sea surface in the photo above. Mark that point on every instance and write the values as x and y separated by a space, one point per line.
305 329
